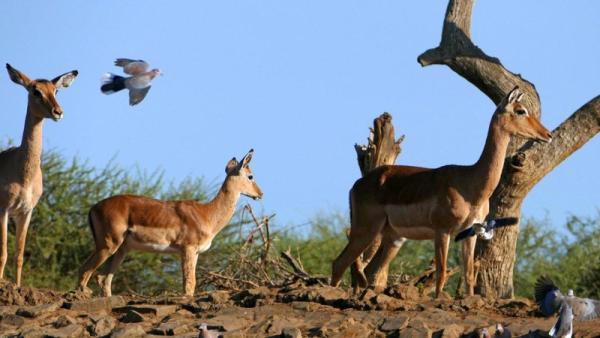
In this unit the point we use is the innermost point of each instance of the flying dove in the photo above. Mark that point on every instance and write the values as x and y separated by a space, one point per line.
564 324
485 230
550 300
138 83
502 332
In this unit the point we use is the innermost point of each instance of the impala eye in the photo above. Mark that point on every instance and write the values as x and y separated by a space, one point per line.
521 111
250 177
37 93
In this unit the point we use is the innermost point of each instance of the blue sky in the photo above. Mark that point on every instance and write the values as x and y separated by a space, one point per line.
301 83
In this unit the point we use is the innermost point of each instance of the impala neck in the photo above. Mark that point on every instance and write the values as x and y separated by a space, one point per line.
488 169
31 145
223 206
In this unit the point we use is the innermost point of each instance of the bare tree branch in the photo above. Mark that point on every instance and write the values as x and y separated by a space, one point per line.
527 162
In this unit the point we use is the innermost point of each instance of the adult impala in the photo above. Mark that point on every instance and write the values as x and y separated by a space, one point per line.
419 203
20 167
125 222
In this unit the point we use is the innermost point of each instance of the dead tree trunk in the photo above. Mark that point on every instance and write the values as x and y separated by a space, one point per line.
382 148
526 162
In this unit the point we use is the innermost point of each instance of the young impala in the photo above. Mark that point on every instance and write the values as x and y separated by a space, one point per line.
124 222
20 167
400 202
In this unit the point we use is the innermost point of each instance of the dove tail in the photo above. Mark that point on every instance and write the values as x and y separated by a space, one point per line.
112 83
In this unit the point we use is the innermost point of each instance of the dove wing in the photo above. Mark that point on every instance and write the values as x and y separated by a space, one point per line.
465 234
137 95
584 308
132 67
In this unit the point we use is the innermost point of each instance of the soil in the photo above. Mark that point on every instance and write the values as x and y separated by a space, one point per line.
292 311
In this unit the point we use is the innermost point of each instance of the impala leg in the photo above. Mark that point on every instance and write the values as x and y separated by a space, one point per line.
22 223
359 240
105 275
468 253
377 270
357 269
3 241
189 258
91 264
442 241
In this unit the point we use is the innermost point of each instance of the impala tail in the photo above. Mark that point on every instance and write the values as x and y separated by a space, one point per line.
112 83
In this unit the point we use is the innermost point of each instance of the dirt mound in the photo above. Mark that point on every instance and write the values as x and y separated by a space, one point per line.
13 295
293 311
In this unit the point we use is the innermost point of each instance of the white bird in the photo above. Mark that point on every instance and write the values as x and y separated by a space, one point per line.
564 325
485 230
502 332
138 83
206 333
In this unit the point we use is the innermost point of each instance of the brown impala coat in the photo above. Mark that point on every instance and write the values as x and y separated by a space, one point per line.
401 202
126 222
20 167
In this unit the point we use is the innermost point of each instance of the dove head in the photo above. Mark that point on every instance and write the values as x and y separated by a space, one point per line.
155 72
499 328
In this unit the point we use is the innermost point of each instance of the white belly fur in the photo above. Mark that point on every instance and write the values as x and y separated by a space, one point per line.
152 247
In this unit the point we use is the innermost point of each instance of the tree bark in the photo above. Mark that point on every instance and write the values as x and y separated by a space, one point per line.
526 162
382 148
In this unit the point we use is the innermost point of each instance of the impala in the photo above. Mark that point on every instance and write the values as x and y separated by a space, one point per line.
125 222
20 167
400 202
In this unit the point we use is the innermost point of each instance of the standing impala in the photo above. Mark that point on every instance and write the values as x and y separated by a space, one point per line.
418 203
20 167
125 222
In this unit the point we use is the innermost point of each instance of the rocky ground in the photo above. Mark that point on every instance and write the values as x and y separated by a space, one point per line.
292 311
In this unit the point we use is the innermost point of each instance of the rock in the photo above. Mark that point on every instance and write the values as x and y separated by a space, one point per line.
157 310
94 305
219 297
405 292
38 310
103 326
8 310
291 332
394 323
172 328
12 320
197 307
71 330
453 331
132 316
472 302
64 320
384 302
129 331
417 328
229 322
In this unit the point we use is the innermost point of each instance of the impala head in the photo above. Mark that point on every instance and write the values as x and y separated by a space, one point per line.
515 119
239 175
42 93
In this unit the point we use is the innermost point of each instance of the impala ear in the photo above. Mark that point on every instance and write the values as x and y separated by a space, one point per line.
515 95
17 77
231 166
246 160
65 80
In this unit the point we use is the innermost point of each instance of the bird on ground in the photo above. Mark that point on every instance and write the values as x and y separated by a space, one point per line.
138 83
485 230
550 299
564 324
502 332
206 333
